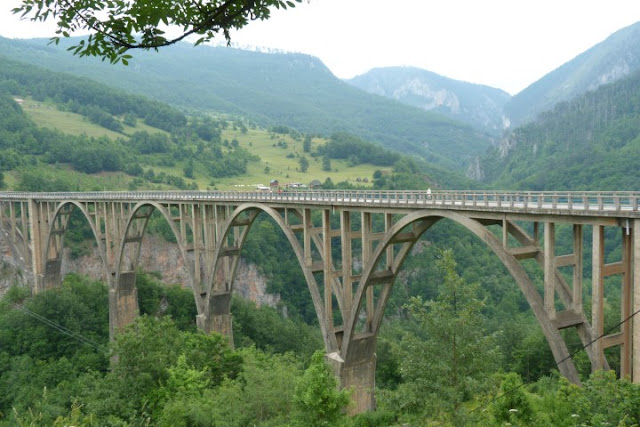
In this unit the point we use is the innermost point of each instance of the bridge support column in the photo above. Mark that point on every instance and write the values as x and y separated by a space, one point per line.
597 297
636 302
52 277
35 235
358 373
219 318
123 303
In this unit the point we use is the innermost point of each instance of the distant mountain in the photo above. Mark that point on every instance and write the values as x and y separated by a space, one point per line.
616 57
272 89
589 143
478 105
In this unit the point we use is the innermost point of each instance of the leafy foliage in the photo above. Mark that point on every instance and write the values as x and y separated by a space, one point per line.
268 248
262 394
163 376
317 400
453 359
36 356
267 330
513 407
344 146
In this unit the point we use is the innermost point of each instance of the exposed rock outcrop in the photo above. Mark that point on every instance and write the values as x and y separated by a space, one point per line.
13 269
156 256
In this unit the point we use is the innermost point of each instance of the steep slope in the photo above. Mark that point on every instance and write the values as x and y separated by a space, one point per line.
589 143
77 130
292 89
477 105
616 57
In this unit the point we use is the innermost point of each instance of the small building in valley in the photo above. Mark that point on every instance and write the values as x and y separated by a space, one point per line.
315 184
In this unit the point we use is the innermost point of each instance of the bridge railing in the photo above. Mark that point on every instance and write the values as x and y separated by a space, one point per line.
591 201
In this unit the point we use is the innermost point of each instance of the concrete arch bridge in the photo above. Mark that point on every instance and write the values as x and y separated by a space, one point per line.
211 227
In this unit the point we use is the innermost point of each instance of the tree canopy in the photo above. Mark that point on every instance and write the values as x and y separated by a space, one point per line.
116 26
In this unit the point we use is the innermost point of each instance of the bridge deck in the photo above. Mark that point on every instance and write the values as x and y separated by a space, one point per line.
591 204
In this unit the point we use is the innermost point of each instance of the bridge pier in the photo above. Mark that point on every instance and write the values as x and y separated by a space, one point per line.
218 318
635 350
123 302
52 277
358 373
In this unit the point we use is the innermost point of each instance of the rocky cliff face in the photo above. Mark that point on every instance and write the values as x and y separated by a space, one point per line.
475 170
13 269
478 105
156 256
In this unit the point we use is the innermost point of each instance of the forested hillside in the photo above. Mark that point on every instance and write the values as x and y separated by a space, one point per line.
589 143
271 89
24 144
56 119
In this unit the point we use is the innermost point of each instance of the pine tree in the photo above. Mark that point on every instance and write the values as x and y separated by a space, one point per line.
454 360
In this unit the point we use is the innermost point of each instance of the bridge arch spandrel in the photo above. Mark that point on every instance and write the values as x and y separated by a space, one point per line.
351 345
123 298
147 208
57 226
253 209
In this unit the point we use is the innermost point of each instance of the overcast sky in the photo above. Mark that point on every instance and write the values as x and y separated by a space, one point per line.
507 44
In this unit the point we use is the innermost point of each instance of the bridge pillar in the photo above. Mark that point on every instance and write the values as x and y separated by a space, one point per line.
636 302
123 303
358 373
35 235
52 276
219 318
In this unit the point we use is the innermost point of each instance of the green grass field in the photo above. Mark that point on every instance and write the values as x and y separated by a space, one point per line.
275 161
47 115
286 169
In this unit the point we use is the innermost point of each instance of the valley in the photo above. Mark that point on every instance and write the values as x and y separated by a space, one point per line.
226 119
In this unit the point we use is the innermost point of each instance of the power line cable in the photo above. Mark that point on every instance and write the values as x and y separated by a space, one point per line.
570 356
62 329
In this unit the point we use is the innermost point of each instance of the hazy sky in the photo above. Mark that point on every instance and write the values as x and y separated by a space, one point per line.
507 44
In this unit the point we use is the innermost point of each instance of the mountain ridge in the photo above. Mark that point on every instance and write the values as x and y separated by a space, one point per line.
296 90
615 57
477 105
591 142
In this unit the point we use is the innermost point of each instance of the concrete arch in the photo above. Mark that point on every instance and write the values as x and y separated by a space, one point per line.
123 298
329 338
129 222
555 340
51 231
